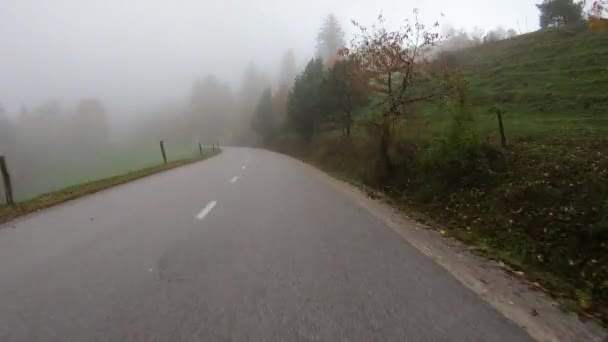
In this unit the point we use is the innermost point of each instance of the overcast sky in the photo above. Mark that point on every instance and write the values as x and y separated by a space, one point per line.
139 53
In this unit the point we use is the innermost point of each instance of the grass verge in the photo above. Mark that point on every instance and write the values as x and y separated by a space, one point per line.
539 206
8 213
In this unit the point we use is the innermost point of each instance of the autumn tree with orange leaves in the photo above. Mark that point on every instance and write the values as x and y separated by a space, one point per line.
399 74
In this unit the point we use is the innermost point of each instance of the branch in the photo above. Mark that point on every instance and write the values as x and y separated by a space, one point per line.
422 98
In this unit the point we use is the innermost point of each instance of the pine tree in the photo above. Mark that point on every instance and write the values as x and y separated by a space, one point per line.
330 40
263 120
304 102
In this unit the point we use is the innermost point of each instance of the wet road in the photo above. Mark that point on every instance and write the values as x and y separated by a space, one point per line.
248 245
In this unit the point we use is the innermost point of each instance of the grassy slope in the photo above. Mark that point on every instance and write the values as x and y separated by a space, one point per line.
53 198
548 82
54 172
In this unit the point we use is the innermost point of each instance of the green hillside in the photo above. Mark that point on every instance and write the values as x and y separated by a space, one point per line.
547 81
563 70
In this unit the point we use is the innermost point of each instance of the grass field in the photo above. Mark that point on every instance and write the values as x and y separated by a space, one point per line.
49 199
59 169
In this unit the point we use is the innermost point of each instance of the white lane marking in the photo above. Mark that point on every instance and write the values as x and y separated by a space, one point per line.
206 210
234 179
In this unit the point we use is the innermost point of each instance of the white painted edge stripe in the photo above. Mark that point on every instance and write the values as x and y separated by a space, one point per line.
206 210
234 179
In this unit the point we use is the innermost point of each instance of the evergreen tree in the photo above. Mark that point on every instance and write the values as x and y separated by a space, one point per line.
287 74
288 71
344 91
555 13
330 40
304 102
263 120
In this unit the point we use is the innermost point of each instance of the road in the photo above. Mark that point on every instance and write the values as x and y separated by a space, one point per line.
249 245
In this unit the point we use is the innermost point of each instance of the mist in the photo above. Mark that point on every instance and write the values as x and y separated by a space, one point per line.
85 84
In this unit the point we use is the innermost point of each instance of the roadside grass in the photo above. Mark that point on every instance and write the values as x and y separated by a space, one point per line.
61 169
541 214
8 213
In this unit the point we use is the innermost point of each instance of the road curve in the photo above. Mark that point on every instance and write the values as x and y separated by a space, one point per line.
248 245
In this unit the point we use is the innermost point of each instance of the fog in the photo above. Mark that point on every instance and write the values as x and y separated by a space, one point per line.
117 74
138 53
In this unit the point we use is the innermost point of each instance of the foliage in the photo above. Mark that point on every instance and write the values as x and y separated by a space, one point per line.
264 119
304 102
253 83
91 119
287 70
344 91
555 13
330 40
395 64
541 204
211 102
287 75
6 131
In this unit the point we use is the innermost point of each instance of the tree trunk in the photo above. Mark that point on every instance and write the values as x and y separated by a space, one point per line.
385 165
348 124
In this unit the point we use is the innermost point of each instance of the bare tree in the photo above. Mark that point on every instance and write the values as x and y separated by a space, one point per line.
398 72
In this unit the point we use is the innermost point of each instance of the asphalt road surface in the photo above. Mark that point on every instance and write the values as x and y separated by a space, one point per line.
249 245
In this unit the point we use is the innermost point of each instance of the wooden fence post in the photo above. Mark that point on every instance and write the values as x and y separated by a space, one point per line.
200 149
162 150
6 178
503 137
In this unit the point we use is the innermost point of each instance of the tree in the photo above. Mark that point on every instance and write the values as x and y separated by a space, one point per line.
499 33
263 120
288 71
6 131
253 83
344 91
455 39
304 102
287 75
91 121
210 106
477 35
399 75
330 39
556 13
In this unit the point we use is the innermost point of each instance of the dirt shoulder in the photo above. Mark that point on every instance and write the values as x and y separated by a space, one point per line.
506 290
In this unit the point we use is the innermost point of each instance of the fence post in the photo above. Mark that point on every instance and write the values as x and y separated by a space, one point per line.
200 149
162 150
6 178
503 137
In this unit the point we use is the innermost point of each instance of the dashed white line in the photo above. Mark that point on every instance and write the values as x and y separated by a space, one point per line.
234 179
206 210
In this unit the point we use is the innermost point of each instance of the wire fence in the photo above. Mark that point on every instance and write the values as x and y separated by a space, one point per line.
24 177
